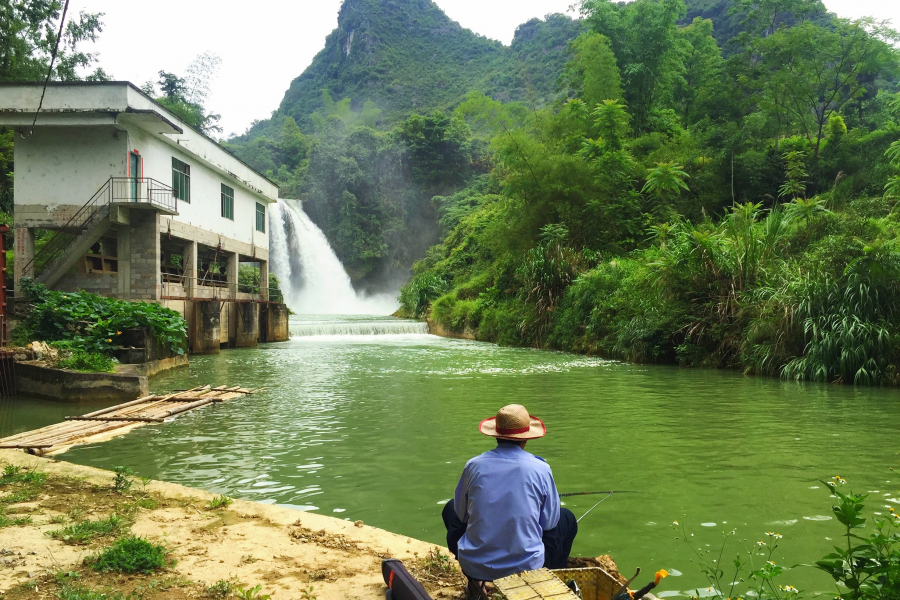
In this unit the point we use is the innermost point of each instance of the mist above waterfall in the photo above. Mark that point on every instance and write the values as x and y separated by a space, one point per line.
312 278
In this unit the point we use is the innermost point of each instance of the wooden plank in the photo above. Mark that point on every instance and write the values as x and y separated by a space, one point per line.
26 446
118 406
187 407
102 418
75 430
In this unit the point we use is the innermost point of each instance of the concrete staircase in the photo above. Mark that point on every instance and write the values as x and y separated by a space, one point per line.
96 229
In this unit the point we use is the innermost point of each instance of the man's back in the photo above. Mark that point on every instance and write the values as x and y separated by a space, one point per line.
507 498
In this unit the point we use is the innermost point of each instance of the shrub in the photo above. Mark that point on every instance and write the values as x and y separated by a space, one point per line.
92 323
131 554
419 292
442 308
87 362
248 283
122 482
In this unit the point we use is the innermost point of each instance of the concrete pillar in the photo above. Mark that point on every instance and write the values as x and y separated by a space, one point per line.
145 259
123 252
189 262
206 327
277 326
231 272
264 280
24 254
246 329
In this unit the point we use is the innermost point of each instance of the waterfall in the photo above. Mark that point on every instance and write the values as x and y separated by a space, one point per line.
312 278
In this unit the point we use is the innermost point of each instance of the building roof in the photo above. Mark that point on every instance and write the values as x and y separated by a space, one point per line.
85 103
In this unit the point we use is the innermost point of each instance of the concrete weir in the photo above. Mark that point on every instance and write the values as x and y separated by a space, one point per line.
207 323
239 324
245 333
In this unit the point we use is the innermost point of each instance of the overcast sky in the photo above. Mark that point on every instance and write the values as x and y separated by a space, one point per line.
266 43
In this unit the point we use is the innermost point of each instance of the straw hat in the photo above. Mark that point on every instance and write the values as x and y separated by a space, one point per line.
513 423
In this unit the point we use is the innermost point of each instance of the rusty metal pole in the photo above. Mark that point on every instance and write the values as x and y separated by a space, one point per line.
4 229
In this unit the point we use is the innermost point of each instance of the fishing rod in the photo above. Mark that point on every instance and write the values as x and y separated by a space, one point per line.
595 493
578 520
608 494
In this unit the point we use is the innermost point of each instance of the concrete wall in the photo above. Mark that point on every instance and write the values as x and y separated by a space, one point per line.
56 384
204 210
95 283
59 167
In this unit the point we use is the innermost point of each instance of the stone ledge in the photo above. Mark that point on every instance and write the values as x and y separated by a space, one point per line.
35 379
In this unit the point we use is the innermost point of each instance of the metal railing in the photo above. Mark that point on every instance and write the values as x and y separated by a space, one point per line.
116 190
169 281
142 190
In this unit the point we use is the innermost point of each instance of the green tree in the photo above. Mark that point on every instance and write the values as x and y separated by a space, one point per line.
794 185
892 188
817 71
643 36
665 180
28 32
764 16
592 74
702 68
186 96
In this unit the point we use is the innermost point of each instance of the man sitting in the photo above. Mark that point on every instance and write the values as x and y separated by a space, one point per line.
505 517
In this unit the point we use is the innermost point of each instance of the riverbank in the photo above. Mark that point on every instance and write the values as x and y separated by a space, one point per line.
291 554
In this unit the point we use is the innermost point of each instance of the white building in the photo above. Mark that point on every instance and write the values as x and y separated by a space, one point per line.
126 200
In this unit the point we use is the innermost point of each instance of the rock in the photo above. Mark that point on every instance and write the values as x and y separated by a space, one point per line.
42 351
358 523
33 552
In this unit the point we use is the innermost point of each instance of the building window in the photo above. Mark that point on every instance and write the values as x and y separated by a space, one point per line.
181 180
227 202
260 217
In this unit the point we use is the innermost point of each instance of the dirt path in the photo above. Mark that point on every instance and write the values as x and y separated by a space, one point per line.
291 554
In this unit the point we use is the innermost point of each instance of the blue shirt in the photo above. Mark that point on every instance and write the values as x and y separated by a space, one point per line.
507 498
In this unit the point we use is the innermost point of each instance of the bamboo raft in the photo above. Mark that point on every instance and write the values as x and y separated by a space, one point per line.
117 420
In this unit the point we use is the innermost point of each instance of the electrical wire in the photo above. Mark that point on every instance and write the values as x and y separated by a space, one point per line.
62 22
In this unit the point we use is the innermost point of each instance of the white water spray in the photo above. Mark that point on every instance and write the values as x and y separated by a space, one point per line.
313 280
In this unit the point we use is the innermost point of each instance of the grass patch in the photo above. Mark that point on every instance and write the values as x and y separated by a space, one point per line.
131 554
87 362
68 591
219 502
85 531
6 521
146 502
220 589
25 495
14 474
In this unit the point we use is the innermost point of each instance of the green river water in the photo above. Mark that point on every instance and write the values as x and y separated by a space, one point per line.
378 428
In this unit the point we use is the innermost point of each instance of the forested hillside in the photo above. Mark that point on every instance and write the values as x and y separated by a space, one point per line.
689 207
407 56
349 141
